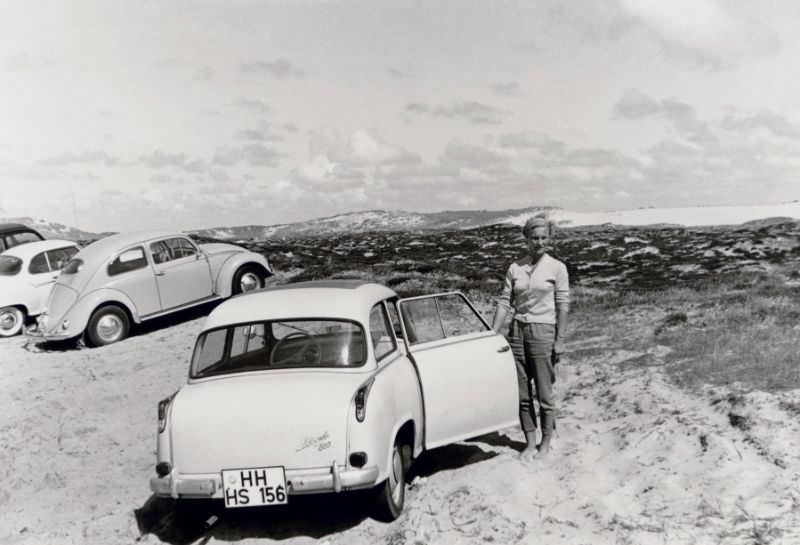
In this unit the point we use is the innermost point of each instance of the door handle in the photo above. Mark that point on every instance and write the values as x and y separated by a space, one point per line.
504 349
160 273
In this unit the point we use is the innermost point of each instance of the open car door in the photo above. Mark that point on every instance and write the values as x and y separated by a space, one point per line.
467 371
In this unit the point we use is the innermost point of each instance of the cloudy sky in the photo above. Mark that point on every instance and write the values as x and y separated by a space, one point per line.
119 115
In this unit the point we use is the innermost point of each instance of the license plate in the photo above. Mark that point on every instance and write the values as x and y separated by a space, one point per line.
253 487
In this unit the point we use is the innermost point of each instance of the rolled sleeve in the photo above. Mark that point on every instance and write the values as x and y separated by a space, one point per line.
562 288
508 291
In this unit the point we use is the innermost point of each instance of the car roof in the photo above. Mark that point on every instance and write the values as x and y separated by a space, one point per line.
30 249
105 247
329 299
14 227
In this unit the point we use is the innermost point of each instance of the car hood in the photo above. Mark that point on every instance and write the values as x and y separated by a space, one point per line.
293 419
214 248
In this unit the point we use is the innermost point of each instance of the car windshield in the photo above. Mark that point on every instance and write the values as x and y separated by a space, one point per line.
258 346
10 265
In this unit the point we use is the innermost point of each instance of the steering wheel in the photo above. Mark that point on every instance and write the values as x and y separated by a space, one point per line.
308 353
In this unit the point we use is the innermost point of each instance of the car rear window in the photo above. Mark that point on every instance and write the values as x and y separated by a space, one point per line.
10 265
258 346
73 266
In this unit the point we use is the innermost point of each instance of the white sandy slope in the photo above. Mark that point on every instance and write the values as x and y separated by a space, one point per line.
688 216
636 461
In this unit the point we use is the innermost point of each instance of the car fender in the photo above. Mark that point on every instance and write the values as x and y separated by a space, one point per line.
81 311
22 296
393 400
224 279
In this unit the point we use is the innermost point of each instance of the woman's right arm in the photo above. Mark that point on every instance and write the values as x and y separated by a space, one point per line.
504 303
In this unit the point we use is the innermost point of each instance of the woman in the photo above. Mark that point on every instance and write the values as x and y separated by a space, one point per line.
537 289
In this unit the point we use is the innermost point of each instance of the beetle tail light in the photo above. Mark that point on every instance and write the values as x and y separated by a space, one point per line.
361 399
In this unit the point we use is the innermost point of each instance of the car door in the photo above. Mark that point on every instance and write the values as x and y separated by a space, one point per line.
466 370
129 272
183 274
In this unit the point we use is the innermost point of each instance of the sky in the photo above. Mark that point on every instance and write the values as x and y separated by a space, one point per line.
120 115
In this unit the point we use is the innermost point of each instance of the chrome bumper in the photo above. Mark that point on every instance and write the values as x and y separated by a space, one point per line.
298 481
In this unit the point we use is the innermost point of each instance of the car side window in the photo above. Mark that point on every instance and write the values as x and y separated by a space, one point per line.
38 264
383 341
171 249
186 248
129 260
248 338
440 317
60 257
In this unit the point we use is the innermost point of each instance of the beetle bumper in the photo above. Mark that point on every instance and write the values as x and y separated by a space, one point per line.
298 481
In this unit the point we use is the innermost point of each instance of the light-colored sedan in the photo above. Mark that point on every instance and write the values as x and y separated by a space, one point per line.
27 274
132 277
329 386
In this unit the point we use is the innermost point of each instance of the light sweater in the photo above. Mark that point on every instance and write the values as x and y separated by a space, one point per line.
534 290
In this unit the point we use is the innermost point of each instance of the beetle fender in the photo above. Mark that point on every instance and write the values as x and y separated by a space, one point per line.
224 280
81 311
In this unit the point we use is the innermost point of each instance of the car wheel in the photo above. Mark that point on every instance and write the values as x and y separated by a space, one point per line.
391 493
11 321
107 325
247 278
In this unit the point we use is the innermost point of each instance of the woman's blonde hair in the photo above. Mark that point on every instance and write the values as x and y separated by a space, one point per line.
539 220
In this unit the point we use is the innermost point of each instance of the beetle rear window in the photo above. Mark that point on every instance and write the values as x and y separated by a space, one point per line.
258 346
10 265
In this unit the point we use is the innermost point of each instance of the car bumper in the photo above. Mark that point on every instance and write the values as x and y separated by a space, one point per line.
35 333
298 481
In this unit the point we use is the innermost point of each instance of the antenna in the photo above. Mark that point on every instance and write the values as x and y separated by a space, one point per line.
74 209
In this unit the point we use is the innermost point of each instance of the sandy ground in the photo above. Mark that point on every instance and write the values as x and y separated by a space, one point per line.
636 461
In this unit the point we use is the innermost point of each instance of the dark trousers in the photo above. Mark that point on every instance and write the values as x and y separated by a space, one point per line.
532 346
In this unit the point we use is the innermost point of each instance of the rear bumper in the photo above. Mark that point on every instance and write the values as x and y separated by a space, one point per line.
34 332
298 481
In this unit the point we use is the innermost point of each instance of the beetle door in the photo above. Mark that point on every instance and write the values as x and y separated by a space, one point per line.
182 273
467 371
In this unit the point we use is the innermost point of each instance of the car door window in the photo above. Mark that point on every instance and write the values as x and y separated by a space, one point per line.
186 248
129 260
248 338
38 264
440 317
383 341
60 257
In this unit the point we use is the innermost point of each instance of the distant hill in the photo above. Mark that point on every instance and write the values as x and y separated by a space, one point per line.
373 221
55 230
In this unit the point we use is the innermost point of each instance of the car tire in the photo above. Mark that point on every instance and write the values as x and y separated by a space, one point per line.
108 324
247 278
391 493
12 320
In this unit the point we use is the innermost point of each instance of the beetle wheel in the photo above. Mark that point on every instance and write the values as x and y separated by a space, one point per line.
12 319
247 278
107 325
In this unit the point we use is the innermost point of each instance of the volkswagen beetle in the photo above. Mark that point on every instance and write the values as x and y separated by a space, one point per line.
325 387
27 274
132 277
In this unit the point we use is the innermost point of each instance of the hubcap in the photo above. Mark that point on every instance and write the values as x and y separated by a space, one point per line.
109 327
396 476
9 319
249 282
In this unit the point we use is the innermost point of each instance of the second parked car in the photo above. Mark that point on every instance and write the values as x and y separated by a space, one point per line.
27 274
132 277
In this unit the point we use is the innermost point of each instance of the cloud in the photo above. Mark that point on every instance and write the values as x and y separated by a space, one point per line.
254 154
252 105
636 105
71 158
361 148
533 141
776 124
280 68
506 89
470 111
708 32
161 159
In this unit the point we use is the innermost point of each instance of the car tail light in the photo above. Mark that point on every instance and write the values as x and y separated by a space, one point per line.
163 405
163 469
361 400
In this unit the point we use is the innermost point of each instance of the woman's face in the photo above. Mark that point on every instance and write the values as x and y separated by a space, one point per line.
539 241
